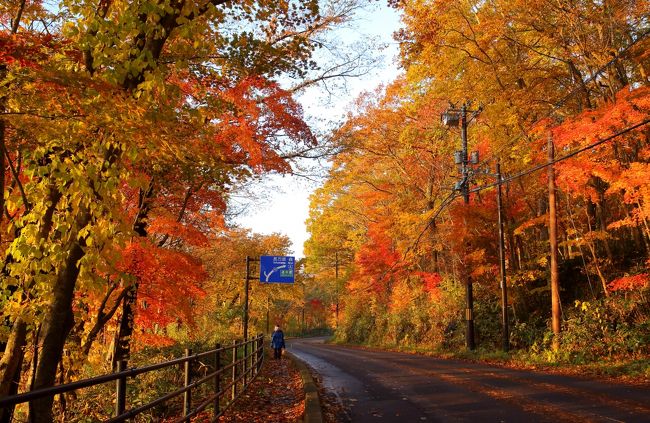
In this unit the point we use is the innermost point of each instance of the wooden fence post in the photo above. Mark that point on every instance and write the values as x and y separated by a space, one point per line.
234 370
120 390
260 352
217 379
245 364
187 397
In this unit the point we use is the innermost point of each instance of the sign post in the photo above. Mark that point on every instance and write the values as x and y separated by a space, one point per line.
273 269
248 278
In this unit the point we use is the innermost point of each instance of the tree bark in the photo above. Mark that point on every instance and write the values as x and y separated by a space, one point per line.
125 332
127 321
57 323
10 365
103 317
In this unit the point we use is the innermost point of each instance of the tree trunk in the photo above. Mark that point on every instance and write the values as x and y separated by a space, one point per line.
2 161
10 365
125 331
102 318
577 76
127 321
57 323
592 249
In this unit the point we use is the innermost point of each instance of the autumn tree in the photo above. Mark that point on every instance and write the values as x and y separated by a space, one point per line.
124 126
576 71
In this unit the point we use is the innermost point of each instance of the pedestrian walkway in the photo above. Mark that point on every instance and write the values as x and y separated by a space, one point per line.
276 396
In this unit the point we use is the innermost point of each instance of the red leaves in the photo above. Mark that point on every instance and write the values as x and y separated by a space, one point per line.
166 225
629 107
169 282
259 114
431 280
316 304
25 49
377 259
628 283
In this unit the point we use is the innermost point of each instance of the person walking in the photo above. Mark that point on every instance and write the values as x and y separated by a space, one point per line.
277 342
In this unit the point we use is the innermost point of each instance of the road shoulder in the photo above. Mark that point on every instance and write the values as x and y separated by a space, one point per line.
313 412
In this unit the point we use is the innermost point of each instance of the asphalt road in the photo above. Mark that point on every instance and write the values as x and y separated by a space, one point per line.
379 386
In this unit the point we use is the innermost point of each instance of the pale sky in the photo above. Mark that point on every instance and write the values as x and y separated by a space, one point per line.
286 206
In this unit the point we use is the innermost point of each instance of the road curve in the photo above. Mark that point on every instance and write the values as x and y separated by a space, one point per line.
379 386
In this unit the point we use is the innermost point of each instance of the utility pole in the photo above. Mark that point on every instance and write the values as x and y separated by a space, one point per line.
248 276
464 164
304 305
552 232
502 264
452 117
268 311
469 297
336 282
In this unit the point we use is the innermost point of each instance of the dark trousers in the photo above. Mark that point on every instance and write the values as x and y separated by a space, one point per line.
277 353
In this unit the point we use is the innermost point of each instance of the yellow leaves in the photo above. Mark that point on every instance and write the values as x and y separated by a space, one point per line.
530 223
402 297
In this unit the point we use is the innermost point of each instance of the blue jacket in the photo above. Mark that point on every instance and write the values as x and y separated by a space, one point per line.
277 339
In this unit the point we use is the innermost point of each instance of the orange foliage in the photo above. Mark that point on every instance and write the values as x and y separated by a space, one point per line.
169 283
24 49
603 161
431 281
628 283
167 225
377 260
261 111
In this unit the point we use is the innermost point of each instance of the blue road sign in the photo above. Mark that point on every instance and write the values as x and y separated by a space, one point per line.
277 269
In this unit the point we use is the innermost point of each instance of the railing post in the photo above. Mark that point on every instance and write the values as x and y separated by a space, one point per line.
187 397
261 353
243 366
217 379
120 390
245 363
234 370
251 358
257 354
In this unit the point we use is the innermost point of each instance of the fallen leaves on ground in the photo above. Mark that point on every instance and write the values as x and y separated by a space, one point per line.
333 410
276 396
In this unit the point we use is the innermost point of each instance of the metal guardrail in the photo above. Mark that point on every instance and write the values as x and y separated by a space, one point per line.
229 381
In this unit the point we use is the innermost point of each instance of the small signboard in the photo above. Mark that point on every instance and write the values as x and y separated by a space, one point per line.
277 269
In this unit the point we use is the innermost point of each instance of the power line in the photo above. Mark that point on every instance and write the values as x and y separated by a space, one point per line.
453 195
565 157
450 198
575 91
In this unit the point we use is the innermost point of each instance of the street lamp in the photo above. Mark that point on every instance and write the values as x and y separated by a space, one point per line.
450 118
453 117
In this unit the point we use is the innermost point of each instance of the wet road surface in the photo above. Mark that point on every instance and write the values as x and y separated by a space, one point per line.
379 386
